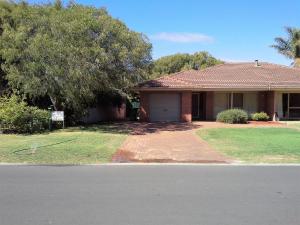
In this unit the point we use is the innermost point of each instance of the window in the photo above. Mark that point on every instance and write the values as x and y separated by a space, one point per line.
235 100
294 100
291 105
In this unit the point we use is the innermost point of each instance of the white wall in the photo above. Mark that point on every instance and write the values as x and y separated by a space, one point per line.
250 102
220 102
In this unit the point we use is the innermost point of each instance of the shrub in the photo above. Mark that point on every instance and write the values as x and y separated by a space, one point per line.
233 116
260 116
16 116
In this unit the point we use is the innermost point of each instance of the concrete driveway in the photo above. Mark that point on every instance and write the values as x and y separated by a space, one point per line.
167 142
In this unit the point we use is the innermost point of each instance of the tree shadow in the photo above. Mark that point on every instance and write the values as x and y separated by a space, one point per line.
136 128
115 128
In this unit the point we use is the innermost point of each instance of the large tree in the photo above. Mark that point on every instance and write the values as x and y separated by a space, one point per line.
5 10
178 62
290 46
70 54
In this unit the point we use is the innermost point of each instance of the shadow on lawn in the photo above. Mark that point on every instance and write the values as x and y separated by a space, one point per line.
136 128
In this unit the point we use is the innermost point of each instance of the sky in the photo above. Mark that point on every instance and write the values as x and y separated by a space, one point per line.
231 30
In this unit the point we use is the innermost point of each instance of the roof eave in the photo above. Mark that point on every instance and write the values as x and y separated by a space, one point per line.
264 88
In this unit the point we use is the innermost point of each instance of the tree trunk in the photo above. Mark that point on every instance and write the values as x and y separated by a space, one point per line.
54 103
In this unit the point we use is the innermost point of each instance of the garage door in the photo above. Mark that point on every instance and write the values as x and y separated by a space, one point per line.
164 107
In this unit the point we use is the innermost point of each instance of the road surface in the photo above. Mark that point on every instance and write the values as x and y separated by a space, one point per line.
153 194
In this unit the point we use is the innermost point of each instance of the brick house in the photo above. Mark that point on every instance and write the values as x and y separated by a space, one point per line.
202 94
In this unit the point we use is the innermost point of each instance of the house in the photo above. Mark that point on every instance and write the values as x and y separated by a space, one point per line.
108 106
202 94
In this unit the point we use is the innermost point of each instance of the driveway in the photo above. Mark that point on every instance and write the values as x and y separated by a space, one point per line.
149 195
167 142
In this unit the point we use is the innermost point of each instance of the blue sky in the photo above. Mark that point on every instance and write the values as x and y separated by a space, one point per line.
232 30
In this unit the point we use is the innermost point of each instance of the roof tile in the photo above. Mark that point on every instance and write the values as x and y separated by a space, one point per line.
228 76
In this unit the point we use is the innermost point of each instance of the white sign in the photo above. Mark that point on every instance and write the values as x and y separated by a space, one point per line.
135 105
57 116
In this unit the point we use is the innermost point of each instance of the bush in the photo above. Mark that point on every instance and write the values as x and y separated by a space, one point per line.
261 116
233 116
16 116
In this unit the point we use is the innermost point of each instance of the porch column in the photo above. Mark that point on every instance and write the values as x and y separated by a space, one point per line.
186 107
209 105
144 106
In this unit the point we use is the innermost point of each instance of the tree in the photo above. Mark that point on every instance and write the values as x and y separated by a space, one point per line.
290 46
170 64
5 9
178 62
71 54
58 4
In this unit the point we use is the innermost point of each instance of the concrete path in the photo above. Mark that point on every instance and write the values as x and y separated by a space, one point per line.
149 195
167 142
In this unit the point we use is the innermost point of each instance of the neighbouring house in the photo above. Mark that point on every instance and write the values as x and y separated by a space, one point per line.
202 94
109 106
108 113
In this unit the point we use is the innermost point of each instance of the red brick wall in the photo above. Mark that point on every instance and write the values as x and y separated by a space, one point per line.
186 107
209 105
144 106
270 104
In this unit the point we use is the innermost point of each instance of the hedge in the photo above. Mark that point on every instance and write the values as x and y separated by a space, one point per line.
233 116
17 117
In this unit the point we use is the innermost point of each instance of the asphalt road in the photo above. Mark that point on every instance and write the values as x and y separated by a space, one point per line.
146 195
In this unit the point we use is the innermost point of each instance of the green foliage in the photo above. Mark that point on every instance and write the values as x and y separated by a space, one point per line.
178 62
17 116
290 46
69 54
233 116
260 116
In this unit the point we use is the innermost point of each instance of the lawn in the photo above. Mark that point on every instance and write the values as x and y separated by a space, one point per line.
293 124
94 144
259 145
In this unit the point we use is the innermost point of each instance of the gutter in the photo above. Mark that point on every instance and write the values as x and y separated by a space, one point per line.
268 87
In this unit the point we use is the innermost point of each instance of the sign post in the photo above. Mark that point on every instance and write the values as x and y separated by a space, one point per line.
58 116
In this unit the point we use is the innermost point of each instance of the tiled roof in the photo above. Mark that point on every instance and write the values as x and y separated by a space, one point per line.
266 76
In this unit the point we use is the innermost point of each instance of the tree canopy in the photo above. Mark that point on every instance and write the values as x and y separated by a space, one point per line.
178 62
69 54
290 46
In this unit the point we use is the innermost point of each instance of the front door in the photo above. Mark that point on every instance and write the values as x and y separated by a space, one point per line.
198 106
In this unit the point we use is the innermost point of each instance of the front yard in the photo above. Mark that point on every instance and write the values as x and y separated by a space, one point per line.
95 144
98 143
258 145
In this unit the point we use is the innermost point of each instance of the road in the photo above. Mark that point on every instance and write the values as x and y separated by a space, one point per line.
153 194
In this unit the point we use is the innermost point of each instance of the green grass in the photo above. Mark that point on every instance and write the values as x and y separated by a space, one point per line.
260 145
94 144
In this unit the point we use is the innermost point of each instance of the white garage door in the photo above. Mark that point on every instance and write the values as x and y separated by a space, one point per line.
164 107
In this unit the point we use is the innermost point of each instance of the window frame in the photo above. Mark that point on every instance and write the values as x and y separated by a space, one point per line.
231 100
